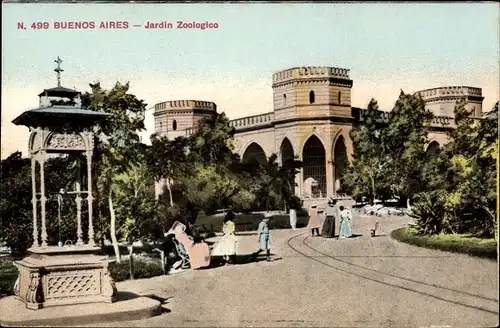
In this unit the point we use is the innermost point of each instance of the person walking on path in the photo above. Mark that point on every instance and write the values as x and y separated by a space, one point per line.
227 245
328 229
345 223
314 222
264 240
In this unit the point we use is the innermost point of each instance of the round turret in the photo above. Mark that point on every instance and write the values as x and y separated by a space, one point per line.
174 118
441 101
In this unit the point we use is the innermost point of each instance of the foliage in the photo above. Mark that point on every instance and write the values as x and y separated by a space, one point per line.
117 159
212 143
368 176
248 222
8 276
457 243
404 143
135 202
16 210
272 185
460 192
389 155
142 269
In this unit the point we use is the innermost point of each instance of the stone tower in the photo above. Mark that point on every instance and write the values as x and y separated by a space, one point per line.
312 91
173 118
312 120
441 101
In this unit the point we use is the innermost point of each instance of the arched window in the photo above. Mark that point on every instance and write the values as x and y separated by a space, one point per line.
311 97
174 125
284 100
161 127
339 96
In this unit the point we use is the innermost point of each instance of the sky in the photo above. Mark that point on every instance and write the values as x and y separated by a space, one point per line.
387 47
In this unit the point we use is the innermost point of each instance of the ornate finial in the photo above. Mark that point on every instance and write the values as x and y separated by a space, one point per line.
58 70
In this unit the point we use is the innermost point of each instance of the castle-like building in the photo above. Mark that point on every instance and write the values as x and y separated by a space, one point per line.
311 118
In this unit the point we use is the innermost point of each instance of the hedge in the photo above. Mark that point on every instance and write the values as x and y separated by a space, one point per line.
8 276
456 243
142 269
248 222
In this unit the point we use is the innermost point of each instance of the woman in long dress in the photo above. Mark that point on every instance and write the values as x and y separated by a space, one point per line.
328 229
227 245
345 224
314 223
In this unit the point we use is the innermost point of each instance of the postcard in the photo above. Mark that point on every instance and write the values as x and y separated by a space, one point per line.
249 164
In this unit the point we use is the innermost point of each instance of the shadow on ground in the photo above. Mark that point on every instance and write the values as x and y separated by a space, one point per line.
241 259
162 300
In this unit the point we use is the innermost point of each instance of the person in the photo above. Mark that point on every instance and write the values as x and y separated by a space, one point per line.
314 222
227 245
264 240
345 225
328 229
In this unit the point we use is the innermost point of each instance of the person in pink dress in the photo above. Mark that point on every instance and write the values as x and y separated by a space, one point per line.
314 222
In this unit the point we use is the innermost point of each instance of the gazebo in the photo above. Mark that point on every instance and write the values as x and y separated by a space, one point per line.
73 272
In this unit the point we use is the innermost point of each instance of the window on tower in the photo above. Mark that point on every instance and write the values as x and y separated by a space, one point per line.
284 99
311 97
174 125
339 96
161 128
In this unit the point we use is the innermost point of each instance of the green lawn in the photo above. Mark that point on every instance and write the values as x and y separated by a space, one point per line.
8 275
247 222
466 244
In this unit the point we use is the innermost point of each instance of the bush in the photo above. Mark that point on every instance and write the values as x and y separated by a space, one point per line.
8 276
465 244
248 222
142 269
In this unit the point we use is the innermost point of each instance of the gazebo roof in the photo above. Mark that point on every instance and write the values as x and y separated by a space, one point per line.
69 114
59 92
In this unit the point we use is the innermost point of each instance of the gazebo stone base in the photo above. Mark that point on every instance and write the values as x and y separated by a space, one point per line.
53 276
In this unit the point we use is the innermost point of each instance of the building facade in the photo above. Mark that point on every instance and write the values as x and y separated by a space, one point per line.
311 119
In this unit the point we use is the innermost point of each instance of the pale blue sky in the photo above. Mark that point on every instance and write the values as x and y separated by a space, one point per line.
386 46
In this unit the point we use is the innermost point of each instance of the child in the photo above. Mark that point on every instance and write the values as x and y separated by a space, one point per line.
314 222
263 233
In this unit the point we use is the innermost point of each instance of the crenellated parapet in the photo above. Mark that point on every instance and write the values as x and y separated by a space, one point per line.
449 92
310 73
437 121
251 121
181 105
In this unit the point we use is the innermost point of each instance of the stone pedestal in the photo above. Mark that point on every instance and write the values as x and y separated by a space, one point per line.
52 276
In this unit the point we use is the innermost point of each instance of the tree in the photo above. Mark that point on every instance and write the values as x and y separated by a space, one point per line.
368 176
16 210
460 195
168 160
404 142
209 189
212 143
271 183
15 203
116 141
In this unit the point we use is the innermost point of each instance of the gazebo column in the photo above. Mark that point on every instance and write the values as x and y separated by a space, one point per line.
78 200
34 201
43 199
89 197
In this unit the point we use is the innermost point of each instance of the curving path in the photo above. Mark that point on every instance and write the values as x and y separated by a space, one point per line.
359 282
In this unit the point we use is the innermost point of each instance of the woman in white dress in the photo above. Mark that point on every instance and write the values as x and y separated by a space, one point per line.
226 247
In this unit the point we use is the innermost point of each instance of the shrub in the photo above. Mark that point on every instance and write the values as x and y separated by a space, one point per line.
465 244
8 276
142 269
429 214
